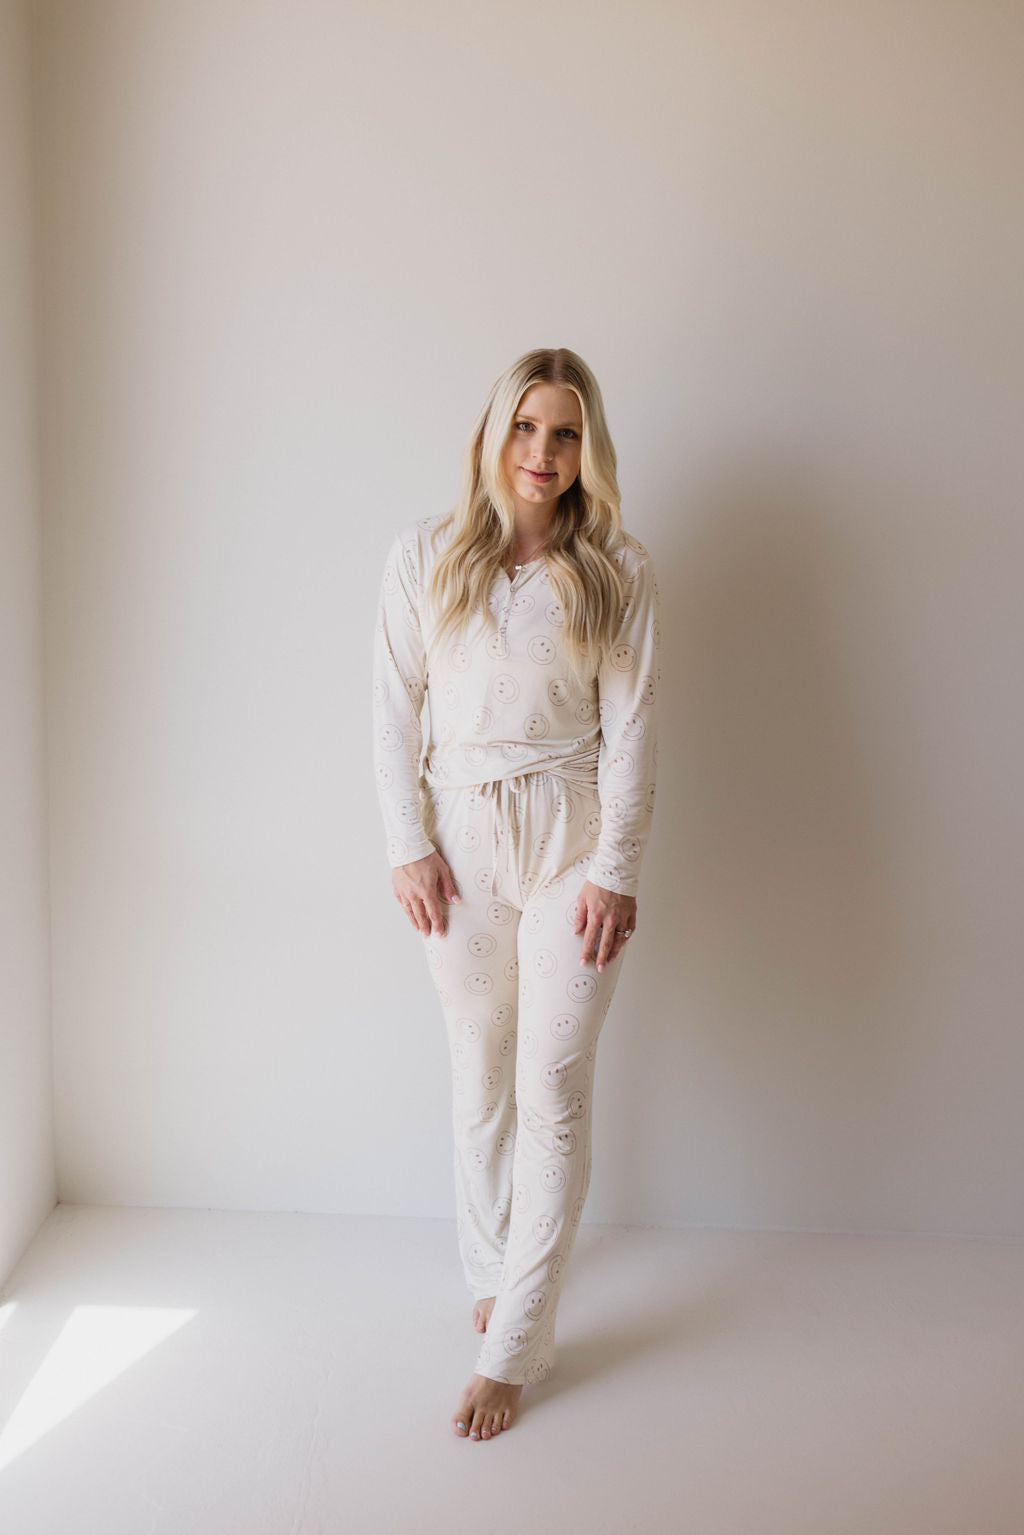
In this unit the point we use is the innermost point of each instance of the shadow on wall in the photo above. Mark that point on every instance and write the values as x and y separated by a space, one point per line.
777 898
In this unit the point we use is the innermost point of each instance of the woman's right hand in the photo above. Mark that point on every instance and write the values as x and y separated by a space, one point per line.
420 887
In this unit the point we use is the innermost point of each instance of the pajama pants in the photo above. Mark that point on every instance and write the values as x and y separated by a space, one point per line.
523 1018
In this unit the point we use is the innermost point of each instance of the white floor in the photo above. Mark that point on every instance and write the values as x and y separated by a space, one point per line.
178 1372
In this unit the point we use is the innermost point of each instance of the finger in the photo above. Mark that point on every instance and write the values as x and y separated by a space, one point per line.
436 920
449 889
592 938
607 940
418 916
581 913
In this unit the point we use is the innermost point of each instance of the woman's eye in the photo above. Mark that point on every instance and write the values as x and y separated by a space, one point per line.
523 423
568 431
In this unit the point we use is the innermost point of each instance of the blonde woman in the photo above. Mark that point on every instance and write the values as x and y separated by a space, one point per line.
527 619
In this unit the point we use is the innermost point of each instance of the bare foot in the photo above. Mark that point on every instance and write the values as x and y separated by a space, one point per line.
487 1406
482 1313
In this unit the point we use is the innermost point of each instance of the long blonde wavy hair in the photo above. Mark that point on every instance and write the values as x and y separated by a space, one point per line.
584 578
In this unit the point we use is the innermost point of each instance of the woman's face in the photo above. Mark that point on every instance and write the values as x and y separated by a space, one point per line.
541 458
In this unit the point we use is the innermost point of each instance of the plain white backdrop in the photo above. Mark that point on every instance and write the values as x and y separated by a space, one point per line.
262 263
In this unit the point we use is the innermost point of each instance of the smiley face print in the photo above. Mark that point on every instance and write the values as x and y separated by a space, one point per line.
534 1303
552 1177
491 1077
514 1341
390 737
545 962
565 1025
545 1228
541 650
581 987
502 1015
558 691
623 657
483 719
621 764
633 727
479 983
564 1142
630 848
499 913
536 726
468 838
498 648
460 658
505 687
553 1075
481 944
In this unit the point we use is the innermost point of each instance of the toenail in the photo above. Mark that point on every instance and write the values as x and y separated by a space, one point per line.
460 1424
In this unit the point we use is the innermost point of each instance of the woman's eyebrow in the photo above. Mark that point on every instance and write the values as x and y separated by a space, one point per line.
522 416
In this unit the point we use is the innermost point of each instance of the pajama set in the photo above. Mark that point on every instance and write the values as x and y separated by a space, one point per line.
529 783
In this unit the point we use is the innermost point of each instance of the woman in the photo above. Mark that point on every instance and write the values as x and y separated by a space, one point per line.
528 619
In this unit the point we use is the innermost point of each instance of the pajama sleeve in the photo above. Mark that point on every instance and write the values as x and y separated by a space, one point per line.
627 684
399 687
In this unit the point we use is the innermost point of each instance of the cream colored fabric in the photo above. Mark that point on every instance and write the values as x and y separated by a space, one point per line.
523 1017
500 703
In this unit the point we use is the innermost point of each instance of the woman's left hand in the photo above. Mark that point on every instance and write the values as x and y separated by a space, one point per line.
598 913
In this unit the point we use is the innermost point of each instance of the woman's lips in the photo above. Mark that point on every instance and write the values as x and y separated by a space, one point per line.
540 478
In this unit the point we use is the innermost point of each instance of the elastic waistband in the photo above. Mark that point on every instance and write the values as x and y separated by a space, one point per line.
578 768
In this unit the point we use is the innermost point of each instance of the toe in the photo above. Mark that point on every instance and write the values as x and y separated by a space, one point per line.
460 1423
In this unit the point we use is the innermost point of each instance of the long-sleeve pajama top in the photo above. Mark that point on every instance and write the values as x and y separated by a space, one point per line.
499 703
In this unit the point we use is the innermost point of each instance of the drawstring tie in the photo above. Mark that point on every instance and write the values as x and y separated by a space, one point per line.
503 794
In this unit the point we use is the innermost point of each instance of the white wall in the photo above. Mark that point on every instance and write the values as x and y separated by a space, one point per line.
27 1175
287 248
